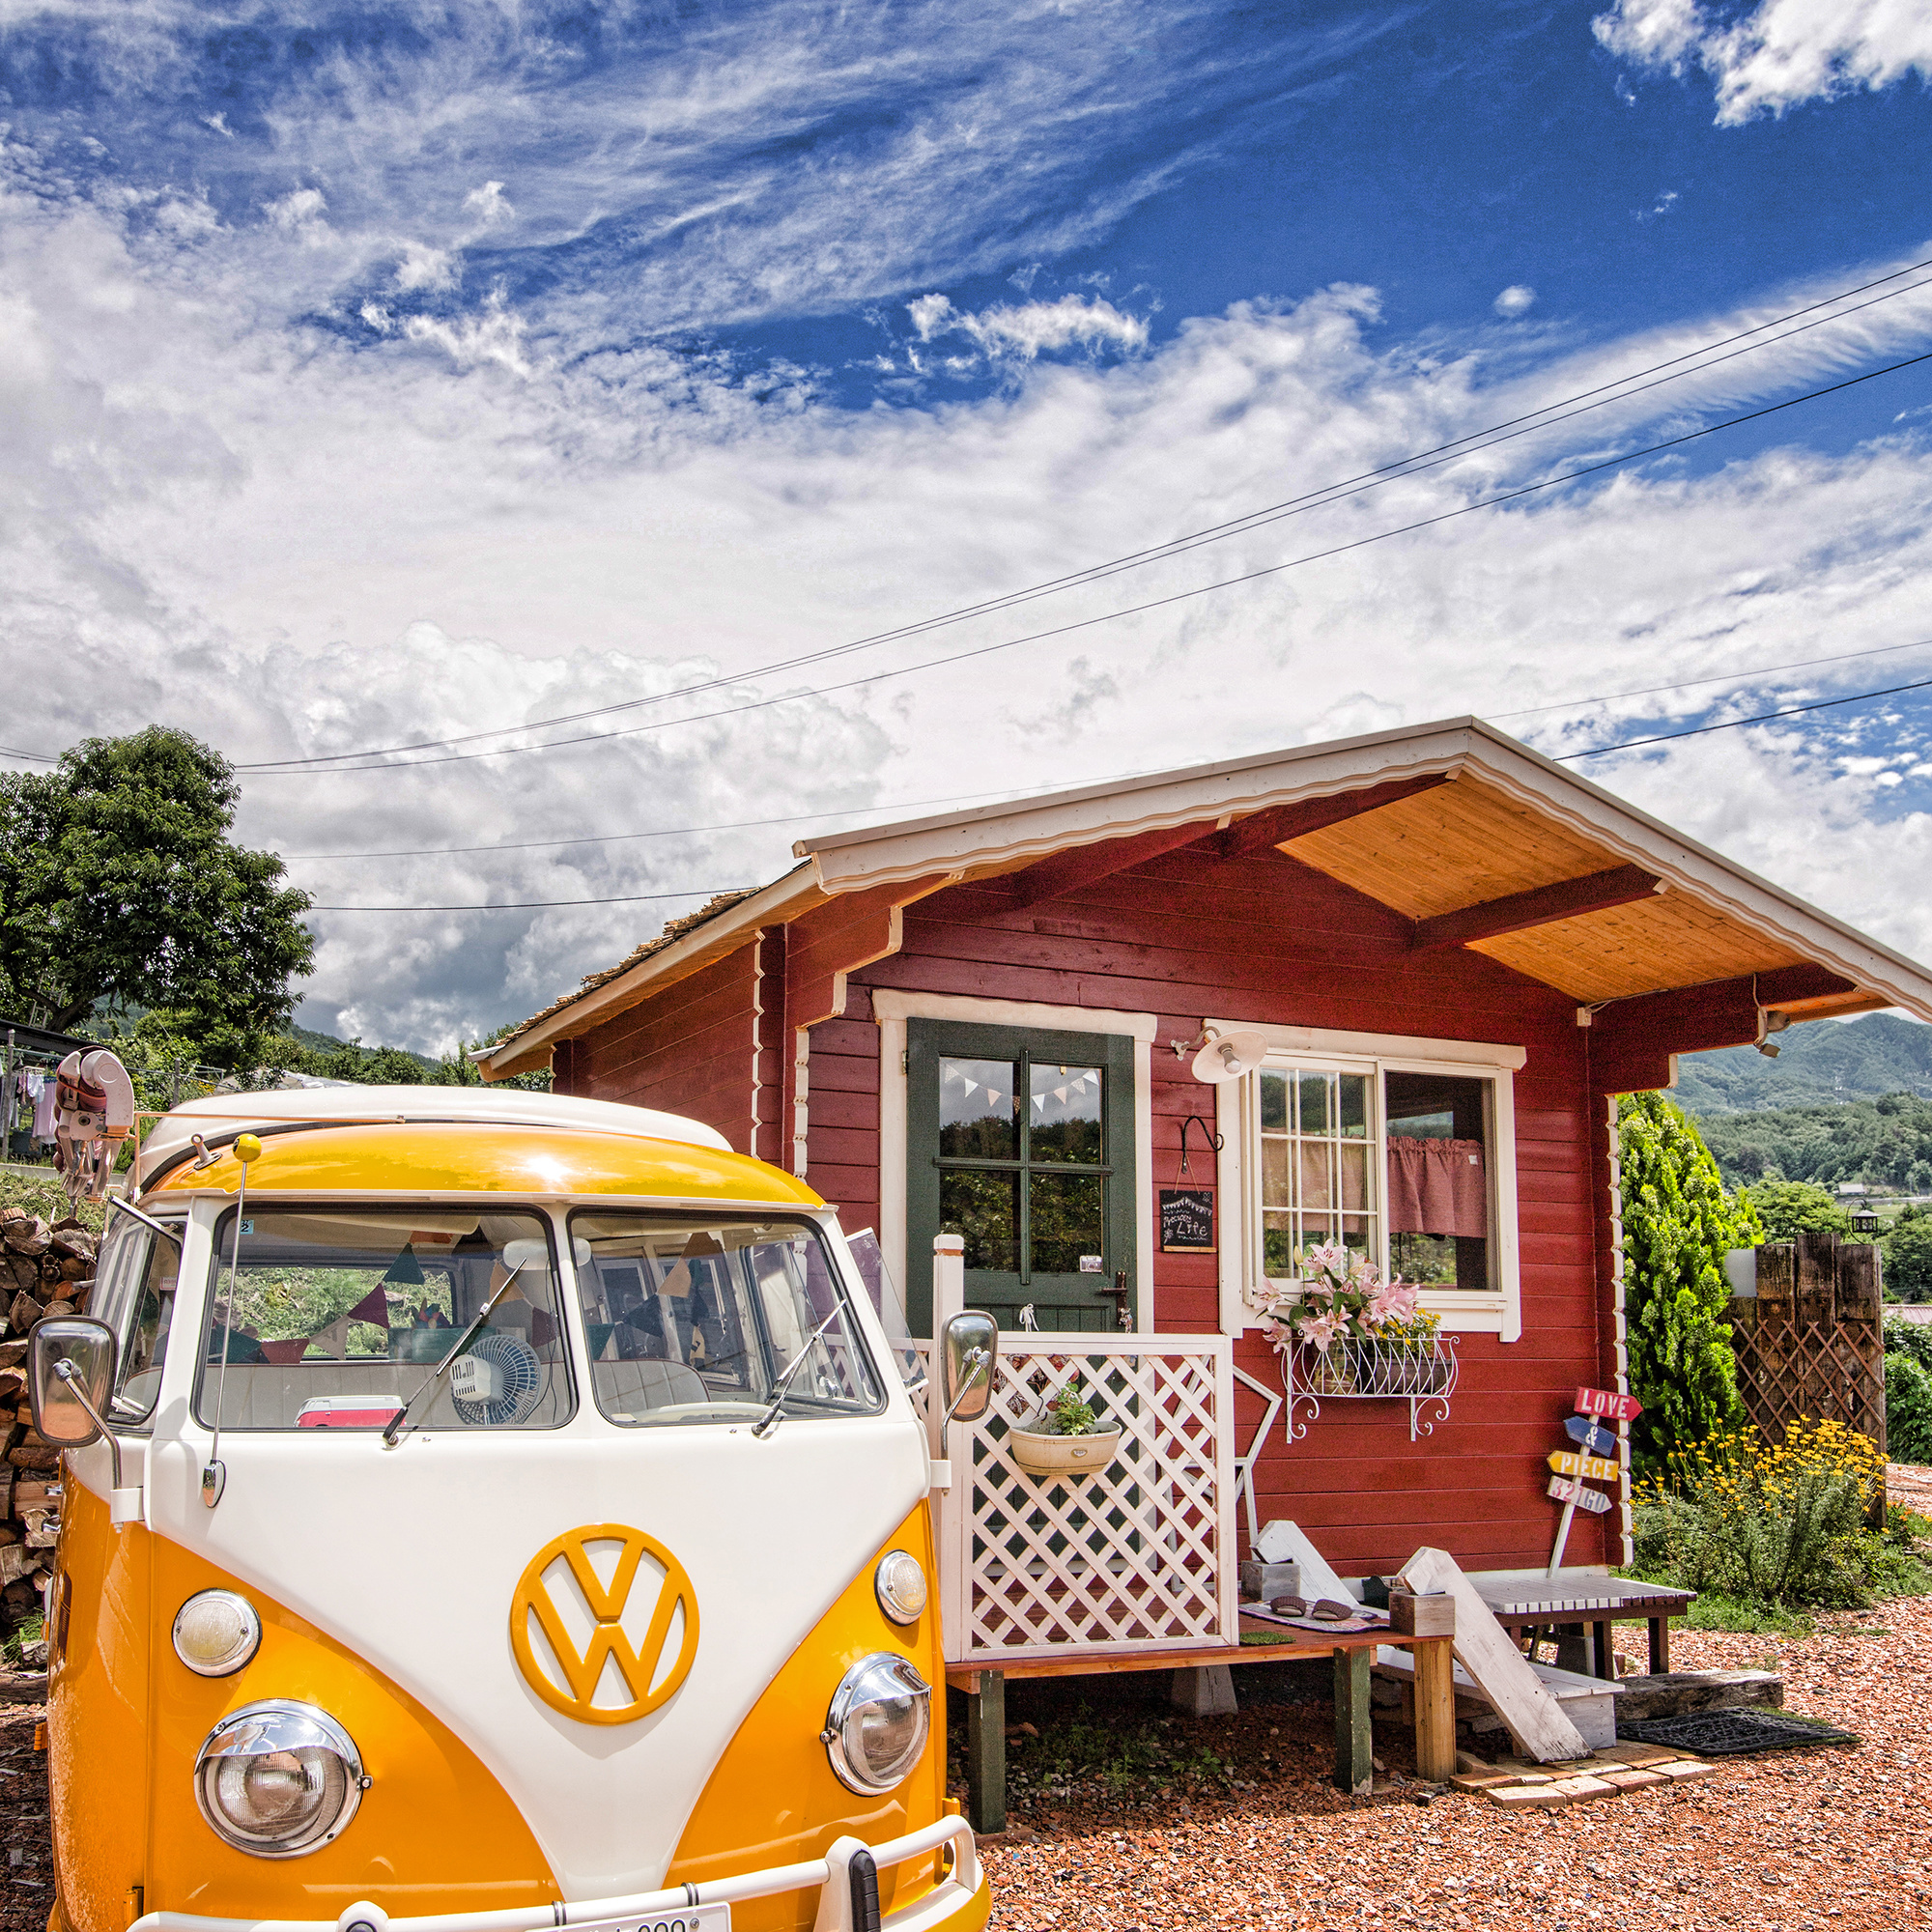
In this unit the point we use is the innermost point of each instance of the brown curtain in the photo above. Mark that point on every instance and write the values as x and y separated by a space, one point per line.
1436 1187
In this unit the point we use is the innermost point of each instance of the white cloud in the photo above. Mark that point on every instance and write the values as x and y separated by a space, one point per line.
489 203
422 266
1516 300
1023 331
295 546
301 214
1779 53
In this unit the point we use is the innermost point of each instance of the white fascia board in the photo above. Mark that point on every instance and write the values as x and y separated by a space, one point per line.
1021 830
1029 829
780 902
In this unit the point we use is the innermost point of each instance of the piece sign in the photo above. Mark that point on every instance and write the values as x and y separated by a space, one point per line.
1598 1469
1604 1402
1563 1491
1590 1435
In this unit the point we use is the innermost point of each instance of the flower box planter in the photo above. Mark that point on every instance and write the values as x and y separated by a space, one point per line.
1042 1455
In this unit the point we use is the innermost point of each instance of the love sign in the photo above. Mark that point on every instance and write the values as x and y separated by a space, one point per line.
1604 1402
1566 1464
1563 1491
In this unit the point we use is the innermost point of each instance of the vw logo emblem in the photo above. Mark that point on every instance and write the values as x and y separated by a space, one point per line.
568 1628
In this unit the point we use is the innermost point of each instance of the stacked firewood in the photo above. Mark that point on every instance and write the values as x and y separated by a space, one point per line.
46 1268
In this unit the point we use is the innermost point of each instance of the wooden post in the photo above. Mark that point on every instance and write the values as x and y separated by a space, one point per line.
1354 1745
1434 1706
986 1752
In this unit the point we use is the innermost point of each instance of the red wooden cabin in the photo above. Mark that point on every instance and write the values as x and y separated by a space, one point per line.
1457 953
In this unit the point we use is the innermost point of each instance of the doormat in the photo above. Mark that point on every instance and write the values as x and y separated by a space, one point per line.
1730 1733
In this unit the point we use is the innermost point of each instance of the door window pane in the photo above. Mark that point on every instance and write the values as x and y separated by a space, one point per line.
985 1208
1064 1114
1067 1221
979 1109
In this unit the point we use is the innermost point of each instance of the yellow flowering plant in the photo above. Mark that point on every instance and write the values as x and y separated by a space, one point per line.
1782 1522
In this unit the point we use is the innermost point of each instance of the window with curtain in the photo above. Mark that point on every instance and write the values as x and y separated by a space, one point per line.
1392 1163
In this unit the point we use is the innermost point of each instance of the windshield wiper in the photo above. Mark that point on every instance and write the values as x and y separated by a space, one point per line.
775 1412
392 1430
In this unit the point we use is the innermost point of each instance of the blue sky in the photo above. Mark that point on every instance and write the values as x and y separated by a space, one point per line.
401 373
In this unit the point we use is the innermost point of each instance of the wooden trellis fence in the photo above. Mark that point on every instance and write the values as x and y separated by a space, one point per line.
1810 1341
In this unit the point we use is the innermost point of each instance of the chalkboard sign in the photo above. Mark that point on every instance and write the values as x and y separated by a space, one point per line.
1187 1221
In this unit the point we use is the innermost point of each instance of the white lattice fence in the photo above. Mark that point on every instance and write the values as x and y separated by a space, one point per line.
1137 1556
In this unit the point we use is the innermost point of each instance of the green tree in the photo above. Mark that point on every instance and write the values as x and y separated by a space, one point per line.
1678 1225
1790 1207
1908 1255
119 883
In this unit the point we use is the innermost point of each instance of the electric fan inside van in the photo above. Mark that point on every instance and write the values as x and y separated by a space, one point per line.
497 1379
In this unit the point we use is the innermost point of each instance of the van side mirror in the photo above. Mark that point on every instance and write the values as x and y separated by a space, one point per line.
69 1376
968 1351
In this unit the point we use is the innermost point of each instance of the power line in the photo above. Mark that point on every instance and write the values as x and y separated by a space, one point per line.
1007 791
1534 420
1153 604
1734 723
1567 757
1695 683
541 905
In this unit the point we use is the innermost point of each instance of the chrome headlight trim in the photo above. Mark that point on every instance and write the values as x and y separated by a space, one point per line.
883 1678
900 1583
212 1606
279 1727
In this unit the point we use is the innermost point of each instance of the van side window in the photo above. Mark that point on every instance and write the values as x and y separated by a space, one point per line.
339 1314
137 1299
692 1320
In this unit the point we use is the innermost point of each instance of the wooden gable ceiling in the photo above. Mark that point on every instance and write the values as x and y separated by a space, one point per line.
1466 844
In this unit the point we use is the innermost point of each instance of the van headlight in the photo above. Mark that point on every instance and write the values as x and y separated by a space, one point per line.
278 1780
876 1727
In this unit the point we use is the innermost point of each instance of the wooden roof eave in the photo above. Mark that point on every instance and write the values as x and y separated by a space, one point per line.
1006 837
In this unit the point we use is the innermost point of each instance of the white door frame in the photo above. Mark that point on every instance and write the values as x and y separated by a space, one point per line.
893 1009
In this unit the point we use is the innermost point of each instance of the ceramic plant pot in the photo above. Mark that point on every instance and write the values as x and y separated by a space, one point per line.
1044 1455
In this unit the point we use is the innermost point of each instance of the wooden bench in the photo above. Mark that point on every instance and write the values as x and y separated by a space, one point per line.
984 1687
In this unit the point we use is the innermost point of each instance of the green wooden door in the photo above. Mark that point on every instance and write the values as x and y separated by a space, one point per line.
1023 1143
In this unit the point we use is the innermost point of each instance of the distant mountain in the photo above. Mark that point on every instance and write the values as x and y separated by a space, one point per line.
1818 1063
326 1042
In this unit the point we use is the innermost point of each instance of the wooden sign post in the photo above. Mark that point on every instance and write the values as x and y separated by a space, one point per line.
1570 1465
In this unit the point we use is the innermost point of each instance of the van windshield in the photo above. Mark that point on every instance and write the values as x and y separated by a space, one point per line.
694 1318
339 1314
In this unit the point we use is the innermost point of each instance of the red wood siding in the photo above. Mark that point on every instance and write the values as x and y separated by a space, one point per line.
1186 934
1266 939
689 1051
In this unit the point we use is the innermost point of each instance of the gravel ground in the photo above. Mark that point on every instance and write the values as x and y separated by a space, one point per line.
1831 1838
1130 1816
28 1871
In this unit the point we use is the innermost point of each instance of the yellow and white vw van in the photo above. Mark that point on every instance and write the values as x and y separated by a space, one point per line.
511 1513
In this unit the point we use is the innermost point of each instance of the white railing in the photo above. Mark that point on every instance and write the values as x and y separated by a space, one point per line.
1137 1556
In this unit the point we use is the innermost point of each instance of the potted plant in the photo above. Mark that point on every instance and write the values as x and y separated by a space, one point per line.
1365 1335
1065 1438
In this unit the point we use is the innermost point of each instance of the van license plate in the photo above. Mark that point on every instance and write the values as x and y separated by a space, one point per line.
685 1918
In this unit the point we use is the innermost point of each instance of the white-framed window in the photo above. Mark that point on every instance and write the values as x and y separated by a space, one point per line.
1399 1148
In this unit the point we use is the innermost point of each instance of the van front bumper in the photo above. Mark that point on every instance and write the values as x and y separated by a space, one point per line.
958 1903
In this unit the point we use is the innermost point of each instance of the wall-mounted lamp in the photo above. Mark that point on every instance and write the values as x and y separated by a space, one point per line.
1220 1056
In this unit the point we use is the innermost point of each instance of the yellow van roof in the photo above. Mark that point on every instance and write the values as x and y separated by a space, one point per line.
518 1148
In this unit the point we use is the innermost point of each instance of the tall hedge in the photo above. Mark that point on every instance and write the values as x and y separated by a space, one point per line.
1678 1224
